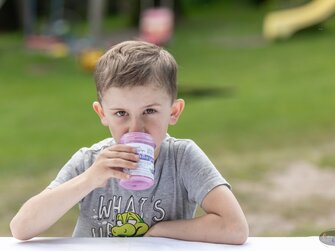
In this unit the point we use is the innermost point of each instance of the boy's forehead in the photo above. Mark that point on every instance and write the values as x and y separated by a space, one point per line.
140 94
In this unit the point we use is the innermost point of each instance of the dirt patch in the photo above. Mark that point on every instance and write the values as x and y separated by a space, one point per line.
302 180
296 197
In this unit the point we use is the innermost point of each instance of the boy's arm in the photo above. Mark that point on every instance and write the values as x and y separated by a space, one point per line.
43 210
224 221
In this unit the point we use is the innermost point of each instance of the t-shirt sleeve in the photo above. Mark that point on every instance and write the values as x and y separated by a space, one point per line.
75 166
198 173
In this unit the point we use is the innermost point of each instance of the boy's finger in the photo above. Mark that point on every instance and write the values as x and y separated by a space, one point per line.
122 148
115 173
121 163
122 155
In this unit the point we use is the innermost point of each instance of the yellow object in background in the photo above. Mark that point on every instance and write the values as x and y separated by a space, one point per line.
59 50
283 24
89 58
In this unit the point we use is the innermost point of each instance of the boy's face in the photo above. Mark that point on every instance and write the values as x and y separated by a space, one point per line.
138 109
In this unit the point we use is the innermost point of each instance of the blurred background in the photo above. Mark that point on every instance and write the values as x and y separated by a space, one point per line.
257 76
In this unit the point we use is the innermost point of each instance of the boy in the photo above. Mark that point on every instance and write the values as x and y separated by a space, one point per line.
136 86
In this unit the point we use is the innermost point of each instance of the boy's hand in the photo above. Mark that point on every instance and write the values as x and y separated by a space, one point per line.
110 164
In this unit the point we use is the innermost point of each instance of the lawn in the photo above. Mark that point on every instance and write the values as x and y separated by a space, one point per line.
252 106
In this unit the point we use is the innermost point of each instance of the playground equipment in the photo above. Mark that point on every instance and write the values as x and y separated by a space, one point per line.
284 23
57 40
53 39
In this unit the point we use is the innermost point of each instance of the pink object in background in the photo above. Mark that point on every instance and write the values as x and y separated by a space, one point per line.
156 25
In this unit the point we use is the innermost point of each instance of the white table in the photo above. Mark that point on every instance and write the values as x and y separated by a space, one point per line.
160 244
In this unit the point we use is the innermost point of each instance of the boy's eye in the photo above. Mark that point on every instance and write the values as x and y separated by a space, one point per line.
121 113
149 111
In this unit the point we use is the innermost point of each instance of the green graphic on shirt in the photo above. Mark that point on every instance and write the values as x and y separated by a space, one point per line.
129 225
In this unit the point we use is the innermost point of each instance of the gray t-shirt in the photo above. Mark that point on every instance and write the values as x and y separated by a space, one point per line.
183 177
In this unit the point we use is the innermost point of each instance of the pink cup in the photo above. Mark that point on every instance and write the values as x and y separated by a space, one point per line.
142 177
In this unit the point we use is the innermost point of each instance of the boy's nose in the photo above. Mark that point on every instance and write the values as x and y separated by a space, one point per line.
136 125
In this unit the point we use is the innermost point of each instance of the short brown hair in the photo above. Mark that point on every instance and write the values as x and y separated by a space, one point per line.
136 63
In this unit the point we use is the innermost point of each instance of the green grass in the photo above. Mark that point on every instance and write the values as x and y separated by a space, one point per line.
282 93
275 97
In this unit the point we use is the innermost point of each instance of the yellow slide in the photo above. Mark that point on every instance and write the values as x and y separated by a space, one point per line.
284 23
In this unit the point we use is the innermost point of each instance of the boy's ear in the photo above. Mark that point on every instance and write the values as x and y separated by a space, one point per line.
98 109
176 110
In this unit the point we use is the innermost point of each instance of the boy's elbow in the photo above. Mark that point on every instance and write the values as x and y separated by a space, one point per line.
242 237
241 234
18 230
234 233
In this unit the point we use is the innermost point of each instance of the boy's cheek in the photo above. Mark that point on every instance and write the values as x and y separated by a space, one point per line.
105 121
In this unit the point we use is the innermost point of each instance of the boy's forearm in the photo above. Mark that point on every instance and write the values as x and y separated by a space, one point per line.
44 209
208 228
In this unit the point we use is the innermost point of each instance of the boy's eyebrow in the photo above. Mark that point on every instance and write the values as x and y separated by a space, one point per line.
146 106
116 109
153 104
